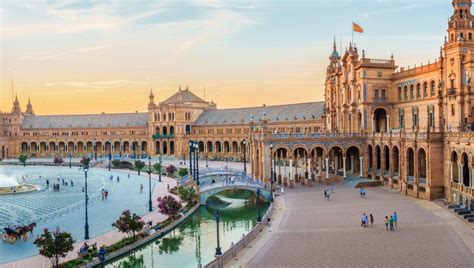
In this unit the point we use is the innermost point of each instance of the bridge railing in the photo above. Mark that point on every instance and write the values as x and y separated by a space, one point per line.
230 253
237 173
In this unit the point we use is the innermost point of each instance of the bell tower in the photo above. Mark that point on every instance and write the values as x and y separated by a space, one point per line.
460 27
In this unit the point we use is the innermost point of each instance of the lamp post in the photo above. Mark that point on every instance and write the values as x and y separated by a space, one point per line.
120 148
245 161
259 217
70 160
191 149
207 156
149 184
133 147
196 156
110 153
271 172
218 248
95 150
86 226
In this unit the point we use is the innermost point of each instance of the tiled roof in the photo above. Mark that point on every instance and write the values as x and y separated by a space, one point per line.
276 113
86 121
183 96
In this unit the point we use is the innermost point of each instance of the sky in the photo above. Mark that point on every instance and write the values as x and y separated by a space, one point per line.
82 56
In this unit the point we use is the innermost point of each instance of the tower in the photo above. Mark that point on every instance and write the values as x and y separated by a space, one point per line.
29 108
16 106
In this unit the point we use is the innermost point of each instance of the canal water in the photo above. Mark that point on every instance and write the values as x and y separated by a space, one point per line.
193 242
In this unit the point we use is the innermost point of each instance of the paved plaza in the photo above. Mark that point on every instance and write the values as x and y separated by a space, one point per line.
308 231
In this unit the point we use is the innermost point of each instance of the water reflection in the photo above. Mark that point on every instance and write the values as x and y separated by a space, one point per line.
193 242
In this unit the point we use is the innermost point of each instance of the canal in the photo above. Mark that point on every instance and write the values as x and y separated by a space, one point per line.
193 242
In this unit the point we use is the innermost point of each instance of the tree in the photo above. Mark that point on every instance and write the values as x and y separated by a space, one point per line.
169 206
85 161
54 245
187 194
171 170
22 158
183 172
58 160
158 167
129 223
139 165
116 163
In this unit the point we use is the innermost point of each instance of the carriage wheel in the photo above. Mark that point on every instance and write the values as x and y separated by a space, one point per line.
12 239
25 236
5 237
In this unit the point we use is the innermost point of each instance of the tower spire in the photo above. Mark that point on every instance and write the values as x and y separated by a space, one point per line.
334 44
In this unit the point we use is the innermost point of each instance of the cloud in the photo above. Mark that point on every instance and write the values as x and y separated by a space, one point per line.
400 7
97 84
65 54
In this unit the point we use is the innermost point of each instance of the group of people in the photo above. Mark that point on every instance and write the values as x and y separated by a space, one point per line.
362 192
389 221
104 193
327 193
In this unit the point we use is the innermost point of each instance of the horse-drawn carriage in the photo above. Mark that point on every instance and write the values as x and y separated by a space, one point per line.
11 235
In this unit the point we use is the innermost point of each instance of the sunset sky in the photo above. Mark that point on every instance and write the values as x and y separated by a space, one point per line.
105 56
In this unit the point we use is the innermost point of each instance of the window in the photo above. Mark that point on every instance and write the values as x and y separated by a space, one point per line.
418 90
406 92
379 74
431 116
400 93
412 91
364 74
425 89
432 88
470 36
383 94
376 96
401 118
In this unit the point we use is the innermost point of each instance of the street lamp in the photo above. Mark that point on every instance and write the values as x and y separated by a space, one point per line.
86 226
110 153
149 184
259 217
207 156
191 149
70 156
218 248
196 156
161 167
133 147
271 172
245 161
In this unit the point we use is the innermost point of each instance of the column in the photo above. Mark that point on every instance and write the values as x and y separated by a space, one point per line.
336 160
284 168
361 160
309 168
450 171
388 123
320 165
327 168
459 173
470 177
373 124
344 166
352 164
291 166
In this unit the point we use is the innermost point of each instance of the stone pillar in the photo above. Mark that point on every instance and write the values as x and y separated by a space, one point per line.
373 124
361 160
352 164
470 177
388 123
459 173
344 167
327 168
336 159
450 171
320 165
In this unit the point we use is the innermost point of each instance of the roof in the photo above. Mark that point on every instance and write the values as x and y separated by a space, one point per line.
276 113
183 96
86 121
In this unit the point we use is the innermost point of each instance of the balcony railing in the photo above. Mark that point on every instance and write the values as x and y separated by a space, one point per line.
162 136
380 99
410 179
422 180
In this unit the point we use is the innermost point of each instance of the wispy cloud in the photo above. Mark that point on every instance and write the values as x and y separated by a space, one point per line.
97 84
65 54
400 7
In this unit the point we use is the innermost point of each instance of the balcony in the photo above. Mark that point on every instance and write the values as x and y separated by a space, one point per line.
162 136
380 100
421 180
451 91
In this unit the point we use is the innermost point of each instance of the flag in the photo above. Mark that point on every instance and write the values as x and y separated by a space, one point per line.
356 28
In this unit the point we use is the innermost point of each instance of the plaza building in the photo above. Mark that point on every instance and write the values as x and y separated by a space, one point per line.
407 128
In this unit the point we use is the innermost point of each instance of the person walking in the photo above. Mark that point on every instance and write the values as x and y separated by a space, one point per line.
386 222
366 220
391 221
128 175
118 179
362 220
47 183
72 183
282 190
371 220
395 218
141 188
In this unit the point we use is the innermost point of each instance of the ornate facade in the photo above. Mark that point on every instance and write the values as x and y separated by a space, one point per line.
409 128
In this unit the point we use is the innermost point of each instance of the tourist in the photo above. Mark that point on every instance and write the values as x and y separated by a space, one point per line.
128 175
106 194
386 222
371 220
361 191
72 183
325 195
59 179
282 190
47 183
102 192
118 179
82 189
395 218
168 187
391 221
141 188
362 221
111 178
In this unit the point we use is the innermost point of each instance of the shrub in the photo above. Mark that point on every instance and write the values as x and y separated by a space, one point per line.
22 158
139 165
116 163
171 170
129 223
169 206
58 160
188 195
54 245
183 172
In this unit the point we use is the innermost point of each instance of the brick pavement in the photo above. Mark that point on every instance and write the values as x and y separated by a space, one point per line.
317 233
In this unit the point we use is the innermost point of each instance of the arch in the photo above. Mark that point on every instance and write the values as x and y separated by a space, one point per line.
201 146
108 147
396 160
24 147
235 147
425 89
380 120
171 130
117 148
187 129
42 146
465 169
410 163
157 130
218 146
165 148
421 163
52 146
210 147
171 147
335 158
370 156
98 147
455 166
432 87
378 158
352 160
144 147
33 147
418 90
165 131
126 146
62 146
386 154
70 147
226 147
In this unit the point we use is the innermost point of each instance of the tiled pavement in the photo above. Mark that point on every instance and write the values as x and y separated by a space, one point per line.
318 233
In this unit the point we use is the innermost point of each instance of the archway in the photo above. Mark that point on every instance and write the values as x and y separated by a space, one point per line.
187 129
454 167
465 170
42 147
380 118
33 147
24 147
165 148
144 147
410 163
210 148
157 147
335 159
386 153
165 131
171 147
378 158
235 147
52 147
201 146
370 156
300 155
171 130
422 165
396 160
226 147
218 146
126 146
352 160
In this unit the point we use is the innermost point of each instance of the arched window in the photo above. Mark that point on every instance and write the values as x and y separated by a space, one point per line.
412 91
418 90
425 89
400 93
405 88
165 131
432 88
171 132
